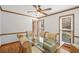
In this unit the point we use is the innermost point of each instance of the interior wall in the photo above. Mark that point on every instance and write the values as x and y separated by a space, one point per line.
0 25
13 23
52 22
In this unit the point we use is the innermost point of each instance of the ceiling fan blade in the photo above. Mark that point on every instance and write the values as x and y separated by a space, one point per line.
0 7
39 7
31 11
35 6
43 13
46 9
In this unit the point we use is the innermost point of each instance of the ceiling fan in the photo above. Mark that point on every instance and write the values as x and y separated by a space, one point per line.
40 10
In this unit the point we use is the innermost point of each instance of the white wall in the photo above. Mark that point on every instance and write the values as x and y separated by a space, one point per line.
13 23
52 22
0 25
8 38
0 21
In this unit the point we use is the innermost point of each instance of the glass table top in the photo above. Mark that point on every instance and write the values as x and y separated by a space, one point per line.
44 46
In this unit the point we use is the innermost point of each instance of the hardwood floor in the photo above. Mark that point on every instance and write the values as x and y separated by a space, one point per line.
68 48
14 47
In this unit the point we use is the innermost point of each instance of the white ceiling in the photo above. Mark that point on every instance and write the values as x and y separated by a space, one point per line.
24 8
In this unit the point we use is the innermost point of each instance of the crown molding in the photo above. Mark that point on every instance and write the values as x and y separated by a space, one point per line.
3 10
41 16
60 12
